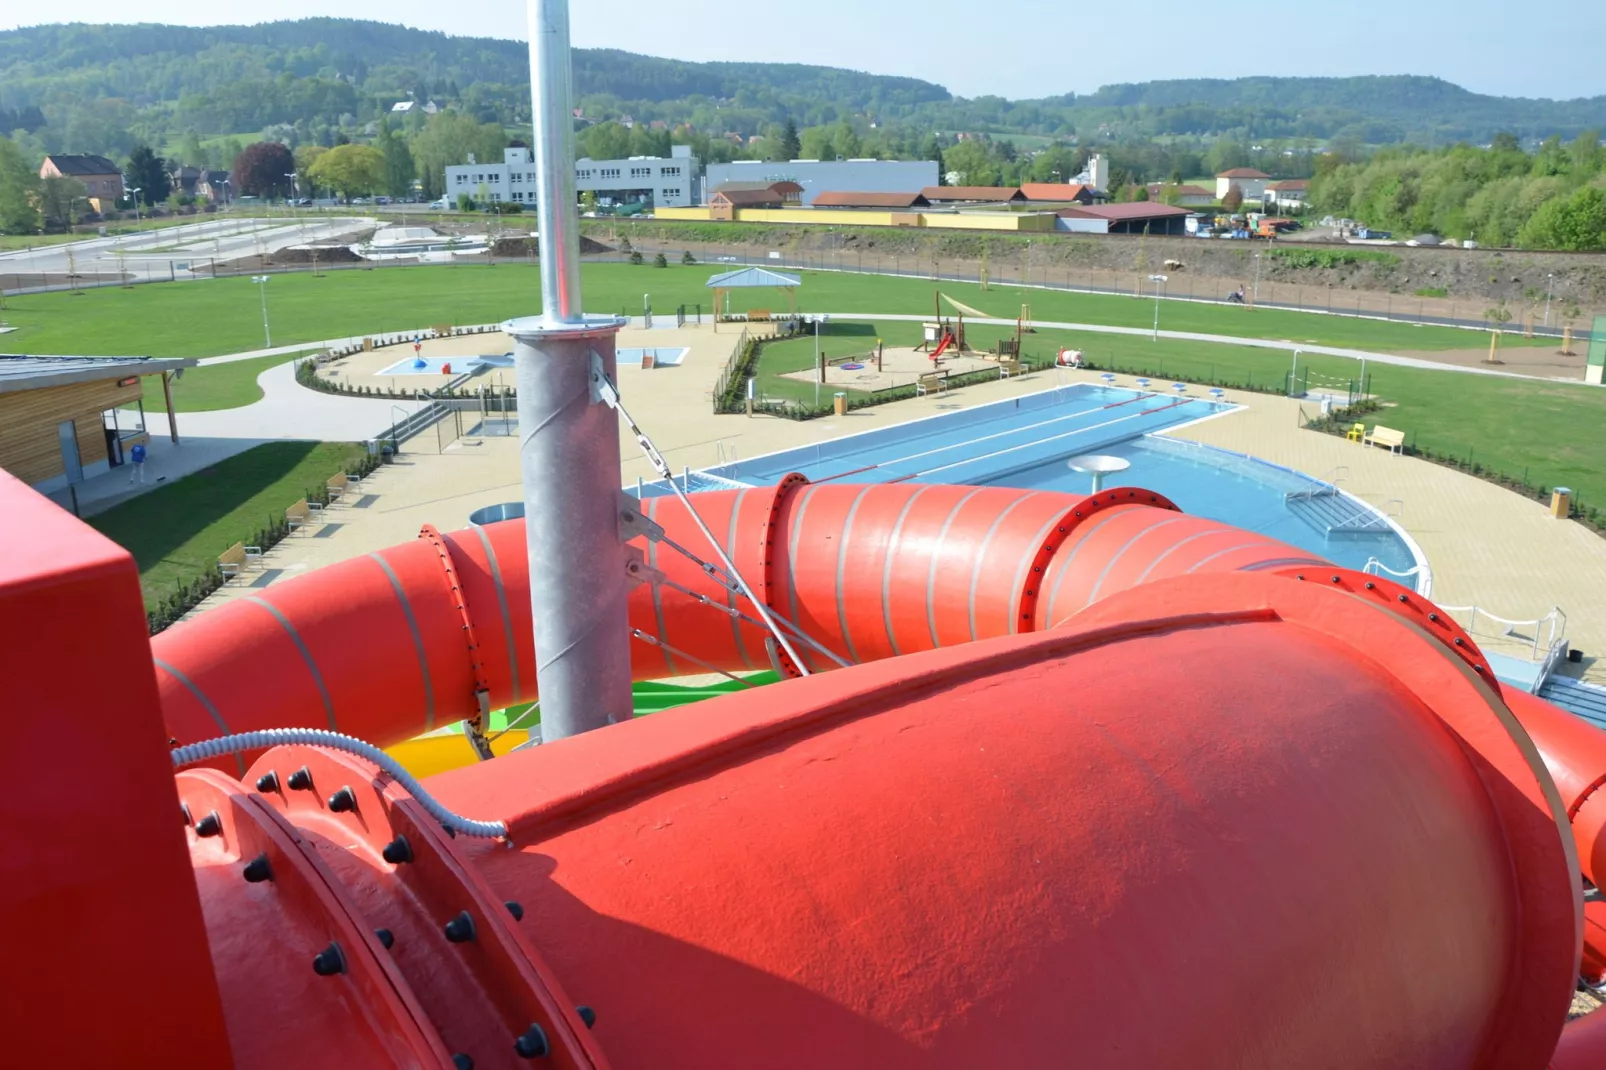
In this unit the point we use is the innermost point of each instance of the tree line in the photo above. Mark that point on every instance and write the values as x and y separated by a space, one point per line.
1551 198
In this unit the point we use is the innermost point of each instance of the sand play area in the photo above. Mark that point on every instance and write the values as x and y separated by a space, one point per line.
900 366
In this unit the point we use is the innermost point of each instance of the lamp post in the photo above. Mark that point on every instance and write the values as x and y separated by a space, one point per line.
1158 280
1550 284
1255 294
262 286
295 185
133 195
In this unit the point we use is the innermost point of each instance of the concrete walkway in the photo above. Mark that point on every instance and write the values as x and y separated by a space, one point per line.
287 410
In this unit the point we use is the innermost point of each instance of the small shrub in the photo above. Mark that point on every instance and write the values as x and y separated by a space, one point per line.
660 261
636 258
687 258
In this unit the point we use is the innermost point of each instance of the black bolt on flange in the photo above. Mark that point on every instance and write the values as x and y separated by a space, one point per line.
514 909
342 801
1371 586
300 780
1434 617
386 937
398 851
1459 641
462 1062
532 1044
1335 579
1404 599
460 930
258 870
330 961
210 825
268 782
587 1015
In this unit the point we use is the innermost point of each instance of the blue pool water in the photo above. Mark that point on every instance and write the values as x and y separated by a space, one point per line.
667 356
1025 442
436 365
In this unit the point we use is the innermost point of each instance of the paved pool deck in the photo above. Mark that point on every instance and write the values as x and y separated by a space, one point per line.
1487 546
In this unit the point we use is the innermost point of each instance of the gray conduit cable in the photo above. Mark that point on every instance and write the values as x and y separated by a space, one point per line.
317 737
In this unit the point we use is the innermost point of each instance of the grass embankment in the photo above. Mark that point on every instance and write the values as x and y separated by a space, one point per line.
176 531
215 386
216 316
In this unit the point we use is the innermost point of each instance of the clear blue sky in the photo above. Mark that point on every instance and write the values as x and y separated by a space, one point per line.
1031 48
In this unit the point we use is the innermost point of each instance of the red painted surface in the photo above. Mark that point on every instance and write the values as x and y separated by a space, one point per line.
1015 852
1227 807
104 957
869 571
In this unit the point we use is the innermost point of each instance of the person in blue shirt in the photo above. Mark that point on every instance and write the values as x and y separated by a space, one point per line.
137 457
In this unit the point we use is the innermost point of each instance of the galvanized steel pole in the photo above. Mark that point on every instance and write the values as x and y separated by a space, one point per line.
569 439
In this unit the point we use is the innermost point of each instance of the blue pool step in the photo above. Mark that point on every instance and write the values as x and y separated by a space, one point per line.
1586 700
1331 513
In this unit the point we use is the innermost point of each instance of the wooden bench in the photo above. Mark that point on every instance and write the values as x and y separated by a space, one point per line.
302 514
337 486
1006 368
1386 436
237 558
932 383
758 315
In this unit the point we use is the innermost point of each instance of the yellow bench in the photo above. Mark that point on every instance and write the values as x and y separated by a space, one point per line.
337 486
932 383
1386 436
237 558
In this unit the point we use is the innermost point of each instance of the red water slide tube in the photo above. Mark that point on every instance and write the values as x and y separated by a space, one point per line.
1111 787
394 643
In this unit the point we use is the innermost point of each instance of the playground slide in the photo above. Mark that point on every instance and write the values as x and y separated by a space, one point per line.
942 347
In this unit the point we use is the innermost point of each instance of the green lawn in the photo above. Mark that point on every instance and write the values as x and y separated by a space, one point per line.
215 386
211 317
176 531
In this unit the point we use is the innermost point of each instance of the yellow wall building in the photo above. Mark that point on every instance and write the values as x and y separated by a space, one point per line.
1014 222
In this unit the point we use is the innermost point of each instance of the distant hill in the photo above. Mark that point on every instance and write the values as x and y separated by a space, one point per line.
103 87
1409 104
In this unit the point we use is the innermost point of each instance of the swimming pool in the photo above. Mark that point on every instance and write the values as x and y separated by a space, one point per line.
437 365
1024 442
664 356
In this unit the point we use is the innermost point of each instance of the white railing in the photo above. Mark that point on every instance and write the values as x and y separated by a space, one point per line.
1325 485
1423 576
1554 624
725 454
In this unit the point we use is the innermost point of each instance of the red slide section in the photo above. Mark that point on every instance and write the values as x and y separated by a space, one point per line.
1097 757
377 647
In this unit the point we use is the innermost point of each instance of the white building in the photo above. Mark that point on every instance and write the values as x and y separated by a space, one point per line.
834 176
652 180
1289 195
1250 183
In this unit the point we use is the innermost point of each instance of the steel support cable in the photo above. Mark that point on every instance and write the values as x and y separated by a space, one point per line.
651 640
717 574
610 394
317 737
736 614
